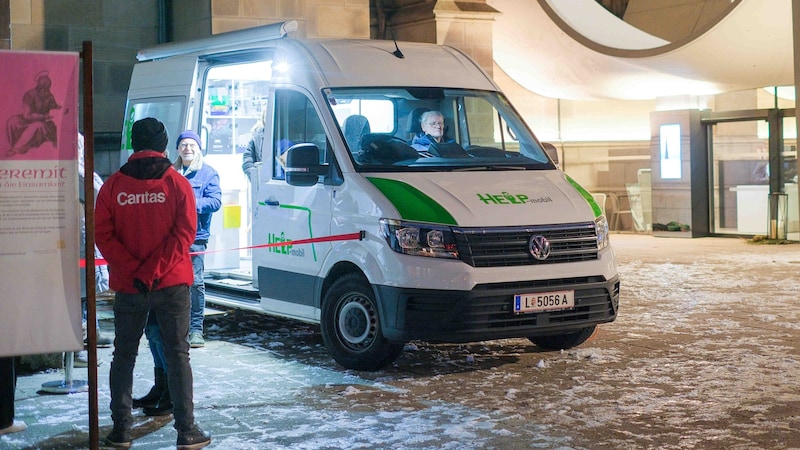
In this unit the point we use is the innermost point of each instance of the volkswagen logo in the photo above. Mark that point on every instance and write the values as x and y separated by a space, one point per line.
539 247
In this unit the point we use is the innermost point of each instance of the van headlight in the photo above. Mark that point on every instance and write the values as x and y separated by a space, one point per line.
420 239
601 229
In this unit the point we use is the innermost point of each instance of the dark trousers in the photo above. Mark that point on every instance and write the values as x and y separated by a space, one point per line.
171 307
8 384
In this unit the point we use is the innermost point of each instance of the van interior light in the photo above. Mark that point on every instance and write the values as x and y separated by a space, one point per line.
260 70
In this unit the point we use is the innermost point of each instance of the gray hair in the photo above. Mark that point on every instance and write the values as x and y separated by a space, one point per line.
194 166
424 116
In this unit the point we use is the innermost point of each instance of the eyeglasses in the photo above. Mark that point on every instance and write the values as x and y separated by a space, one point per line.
190 145
435 124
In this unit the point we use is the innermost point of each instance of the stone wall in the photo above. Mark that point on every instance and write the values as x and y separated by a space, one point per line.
316 18
5 24
116 28
465 25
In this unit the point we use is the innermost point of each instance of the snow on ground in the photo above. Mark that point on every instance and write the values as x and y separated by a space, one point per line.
704 354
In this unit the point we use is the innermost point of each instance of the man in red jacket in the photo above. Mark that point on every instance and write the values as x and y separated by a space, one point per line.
145 221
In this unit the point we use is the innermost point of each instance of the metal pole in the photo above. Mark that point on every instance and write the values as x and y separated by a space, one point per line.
88 191
775 150
68 385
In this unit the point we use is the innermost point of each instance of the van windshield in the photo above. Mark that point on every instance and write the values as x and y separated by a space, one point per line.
407 129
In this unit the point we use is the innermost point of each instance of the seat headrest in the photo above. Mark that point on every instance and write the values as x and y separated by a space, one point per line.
356 124
413 126
355 127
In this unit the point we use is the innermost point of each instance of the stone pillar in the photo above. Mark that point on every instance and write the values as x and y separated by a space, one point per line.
464 24
679 173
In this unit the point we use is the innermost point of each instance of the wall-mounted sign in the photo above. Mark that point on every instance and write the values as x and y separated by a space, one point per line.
670 151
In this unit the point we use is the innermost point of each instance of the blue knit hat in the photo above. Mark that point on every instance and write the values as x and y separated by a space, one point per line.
188 134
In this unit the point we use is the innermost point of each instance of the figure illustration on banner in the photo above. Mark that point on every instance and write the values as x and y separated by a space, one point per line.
35 126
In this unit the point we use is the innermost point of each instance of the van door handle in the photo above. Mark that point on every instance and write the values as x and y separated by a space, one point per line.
272 202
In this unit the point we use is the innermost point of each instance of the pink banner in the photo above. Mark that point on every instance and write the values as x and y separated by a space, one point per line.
40 304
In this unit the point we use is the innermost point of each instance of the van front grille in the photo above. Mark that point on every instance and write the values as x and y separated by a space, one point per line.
486 312
509 246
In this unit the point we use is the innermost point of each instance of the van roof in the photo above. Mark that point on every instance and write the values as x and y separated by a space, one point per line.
343 63
340 63
238 39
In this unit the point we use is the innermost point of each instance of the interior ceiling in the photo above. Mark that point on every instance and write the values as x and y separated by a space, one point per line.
576 49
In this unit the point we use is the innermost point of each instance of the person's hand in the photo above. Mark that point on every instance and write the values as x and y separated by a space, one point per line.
140 286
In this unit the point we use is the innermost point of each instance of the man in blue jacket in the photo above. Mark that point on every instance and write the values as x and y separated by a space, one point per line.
208 196
432 125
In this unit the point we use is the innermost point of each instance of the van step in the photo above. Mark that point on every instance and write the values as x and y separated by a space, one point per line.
236 297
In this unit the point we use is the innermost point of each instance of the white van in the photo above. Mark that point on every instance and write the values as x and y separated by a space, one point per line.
478 237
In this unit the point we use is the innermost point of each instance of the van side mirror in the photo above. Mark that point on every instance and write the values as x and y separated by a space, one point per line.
302 165
551 151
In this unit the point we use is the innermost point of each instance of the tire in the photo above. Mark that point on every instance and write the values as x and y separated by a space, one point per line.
351 327
564 341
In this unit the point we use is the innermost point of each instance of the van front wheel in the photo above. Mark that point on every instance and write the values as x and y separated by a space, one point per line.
351 327
564 341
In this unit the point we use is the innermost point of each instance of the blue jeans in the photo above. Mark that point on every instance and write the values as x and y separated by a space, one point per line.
171 308
153 333
198 289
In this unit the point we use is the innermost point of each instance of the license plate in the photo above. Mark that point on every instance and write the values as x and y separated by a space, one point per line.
544 301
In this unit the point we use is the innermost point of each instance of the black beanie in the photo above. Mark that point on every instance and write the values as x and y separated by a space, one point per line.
148 134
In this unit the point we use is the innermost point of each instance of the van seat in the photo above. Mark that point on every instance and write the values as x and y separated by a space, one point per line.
355 127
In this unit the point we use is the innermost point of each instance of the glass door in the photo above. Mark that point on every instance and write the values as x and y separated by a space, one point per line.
747 167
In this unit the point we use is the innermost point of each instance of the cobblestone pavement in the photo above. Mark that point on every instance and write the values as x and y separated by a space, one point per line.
705 354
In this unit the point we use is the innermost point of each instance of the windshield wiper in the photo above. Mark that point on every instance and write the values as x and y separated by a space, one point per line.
488 167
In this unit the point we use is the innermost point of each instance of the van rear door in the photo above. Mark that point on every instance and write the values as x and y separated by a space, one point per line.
162 89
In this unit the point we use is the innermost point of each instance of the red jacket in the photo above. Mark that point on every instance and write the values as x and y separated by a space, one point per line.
145 221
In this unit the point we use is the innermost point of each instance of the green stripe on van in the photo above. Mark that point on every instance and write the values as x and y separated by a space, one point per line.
585 194
411 203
